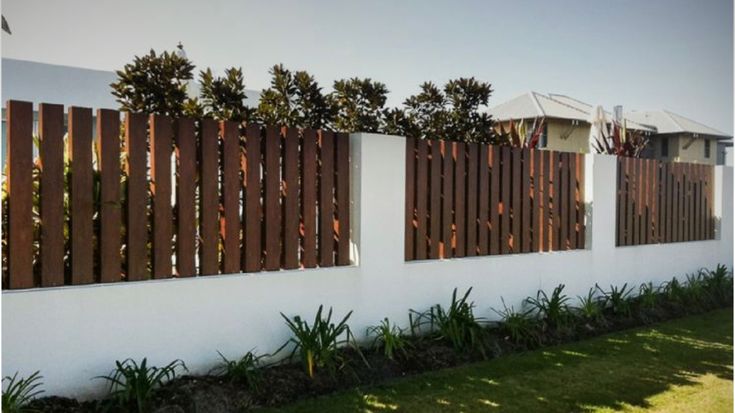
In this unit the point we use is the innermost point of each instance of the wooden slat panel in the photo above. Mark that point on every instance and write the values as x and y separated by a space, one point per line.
136 145
662 202
686 198
108 134
343 198
410 232
700 202
460 200
20 181
546 201
644 189
435 212
209 199
653 210
695 202
537 208
564 205
526 200
422 197
472 176
230 224
556 197
635 177
161 134
581 236
505 199
483 208
675 198
326 200
628 200
291 199
692 189
309 197
82 204
572 175
272 198
494 200
620 204
447 198
186 227
51 133
516 196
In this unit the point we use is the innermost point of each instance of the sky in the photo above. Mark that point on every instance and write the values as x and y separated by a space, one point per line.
653 54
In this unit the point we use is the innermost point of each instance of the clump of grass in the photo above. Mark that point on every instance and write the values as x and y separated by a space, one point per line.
20 391
457 324
553 310
246 369
132 384
648 296
520 327
317 343
389 338
590 307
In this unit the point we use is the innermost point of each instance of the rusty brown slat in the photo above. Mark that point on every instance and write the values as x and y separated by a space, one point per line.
645 182
410 231
342 194
447 198
272 199
137 209
20 190
326 200
632 173
291 199
710 202
483 208
526 200
494 200
505 199
695 203
108 134
435 199
564 205
253 205
51 134
670 237
556 197
309 197
702 203
209 199
690 211
186 224
662 202
545 209
515 203
422 195
82 203
537 207
620 202
572 173
230 220
161 133
581 236
472 175
698 202
653 238
460 199
675 198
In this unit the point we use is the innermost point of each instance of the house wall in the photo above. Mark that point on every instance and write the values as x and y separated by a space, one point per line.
695 151
74 333
567 137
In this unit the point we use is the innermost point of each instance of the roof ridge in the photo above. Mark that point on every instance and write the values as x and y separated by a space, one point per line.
534 99
567 105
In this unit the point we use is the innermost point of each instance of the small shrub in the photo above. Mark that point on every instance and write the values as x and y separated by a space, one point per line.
457 324
20 391
618 300
317 343
675 293
554 310
647 296
521 327
719 284
389 338
245 369
133 385
590 307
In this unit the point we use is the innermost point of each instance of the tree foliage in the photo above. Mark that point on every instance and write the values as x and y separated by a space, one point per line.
358 105
223 97
154 83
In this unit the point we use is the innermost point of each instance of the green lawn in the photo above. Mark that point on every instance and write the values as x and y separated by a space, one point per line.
679 366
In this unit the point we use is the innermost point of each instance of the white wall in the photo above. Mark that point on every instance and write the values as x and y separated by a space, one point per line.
72 334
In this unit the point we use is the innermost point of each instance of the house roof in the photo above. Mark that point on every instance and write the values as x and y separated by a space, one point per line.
668 122
535 104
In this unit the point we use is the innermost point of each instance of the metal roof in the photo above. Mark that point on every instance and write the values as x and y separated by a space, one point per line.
668 122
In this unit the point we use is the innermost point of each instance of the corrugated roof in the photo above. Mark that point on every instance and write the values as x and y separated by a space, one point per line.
535 104
669 122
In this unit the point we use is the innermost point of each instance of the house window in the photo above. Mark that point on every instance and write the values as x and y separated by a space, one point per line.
664 148
706 148
544 137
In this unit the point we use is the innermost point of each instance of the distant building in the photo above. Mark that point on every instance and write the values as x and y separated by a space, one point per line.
672 137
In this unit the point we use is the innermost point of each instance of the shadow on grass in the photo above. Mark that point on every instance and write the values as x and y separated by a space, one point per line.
625 368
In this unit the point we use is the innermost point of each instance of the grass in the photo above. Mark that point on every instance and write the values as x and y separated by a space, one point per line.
678 366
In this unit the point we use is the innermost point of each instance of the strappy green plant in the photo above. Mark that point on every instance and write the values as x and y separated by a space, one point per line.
590 306
520 327
317 343
19 391
389 338
246 369
648 296
133 384
617 299
553 310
